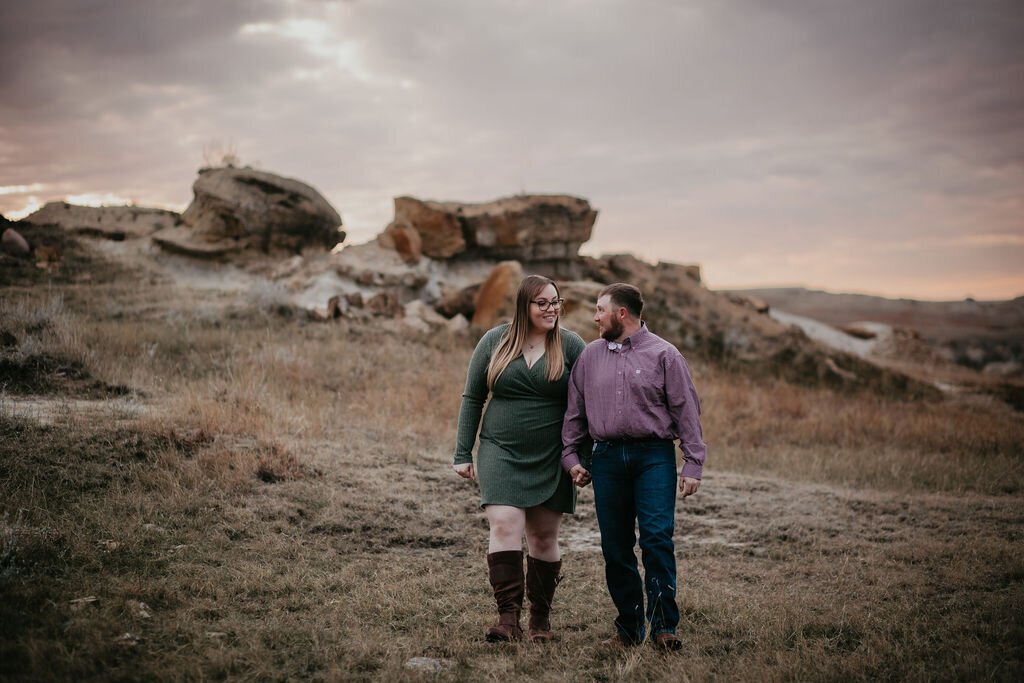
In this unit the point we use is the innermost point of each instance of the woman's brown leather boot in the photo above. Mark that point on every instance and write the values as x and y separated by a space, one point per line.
541 579
506 574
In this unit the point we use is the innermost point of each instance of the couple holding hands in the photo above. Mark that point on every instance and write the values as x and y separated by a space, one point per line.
564 414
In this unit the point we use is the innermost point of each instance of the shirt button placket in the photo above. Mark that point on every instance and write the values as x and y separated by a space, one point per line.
620 362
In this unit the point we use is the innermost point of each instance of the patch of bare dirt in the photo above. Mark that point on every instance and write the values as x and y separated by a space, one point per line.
761 515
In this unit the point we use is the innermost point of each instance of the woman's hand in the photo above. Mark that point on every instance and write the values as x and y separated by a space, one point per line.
580 476
465 469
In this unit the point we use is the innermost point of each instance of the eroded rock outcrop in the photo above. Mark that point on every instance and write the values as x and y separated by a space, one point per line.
404 239
110 222
495 300
527 228
439 265
714 327
238 209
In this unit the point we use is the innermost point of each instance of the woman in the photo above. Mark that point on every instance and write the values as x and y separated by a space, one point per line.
524 366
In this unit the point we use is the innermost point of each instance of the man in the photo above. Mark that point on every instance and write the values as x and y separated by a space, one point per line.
631 391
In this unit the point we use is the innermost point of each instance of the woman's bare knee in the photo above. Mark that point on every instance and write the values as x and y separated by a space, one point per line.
542 533
542 543
506 524
506 531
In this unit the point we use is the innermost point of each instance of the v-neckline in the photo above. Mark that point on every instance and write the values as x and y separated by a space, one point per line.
531 367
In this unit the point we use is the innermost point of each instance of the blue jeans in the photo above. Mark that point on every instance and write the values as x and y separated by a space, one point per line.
635 482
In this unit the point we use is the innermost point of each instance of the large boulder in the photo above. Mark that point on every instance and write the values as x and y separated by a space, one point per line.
110 222
495 300
436 224
527 228
13 243
238 209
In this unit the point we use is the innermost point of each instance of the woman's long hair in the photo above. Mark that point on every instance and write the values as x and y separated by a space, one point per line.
514 338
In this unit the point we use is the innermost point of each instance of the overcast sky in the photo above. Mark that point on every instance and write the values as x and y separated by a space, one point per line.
851 145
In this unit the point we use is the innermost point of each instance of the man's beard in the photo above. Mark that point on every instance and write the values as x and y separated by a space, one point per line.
614 331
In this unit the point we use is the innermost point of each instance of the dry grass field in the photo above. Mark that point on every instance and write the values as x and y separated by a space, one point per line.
211 489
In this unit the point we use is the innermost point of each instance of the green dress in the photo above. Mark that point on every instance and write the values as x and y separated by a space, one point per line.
519 461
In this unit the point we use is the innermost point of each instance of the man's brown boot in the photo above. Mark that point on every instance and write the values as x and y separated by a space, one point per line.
541 579
506 574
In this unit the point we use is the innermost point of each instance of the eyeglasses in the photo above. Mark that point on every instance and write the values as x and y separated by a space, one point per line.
544 304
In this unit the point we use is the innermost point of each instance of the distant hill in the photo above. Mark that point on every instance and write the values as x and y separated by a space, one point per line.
972 333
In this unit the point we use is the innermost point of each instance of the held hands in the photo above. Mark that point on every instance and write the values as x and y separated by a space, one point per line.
580 476
465 469
688 485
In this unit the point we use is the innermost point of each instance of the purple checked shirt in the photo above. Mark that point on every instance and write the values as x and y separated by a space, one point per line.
641 390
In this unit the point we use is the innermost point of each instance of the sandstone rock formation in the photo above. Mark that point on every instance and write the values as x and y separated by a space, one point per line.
404 239
237 209
460 302
437 227
441 257
527 228
577 312
110 222
495 302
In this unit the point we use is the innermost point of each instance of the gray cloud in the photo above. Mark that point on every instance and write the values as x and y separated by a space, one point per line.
801 128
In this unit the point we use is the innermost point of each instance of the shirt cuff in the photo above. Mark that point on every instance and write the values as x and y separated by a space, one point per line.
690 469
570 460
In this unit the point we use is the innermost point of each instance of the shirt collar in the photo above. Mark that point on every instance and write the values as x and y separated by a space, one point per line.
634 340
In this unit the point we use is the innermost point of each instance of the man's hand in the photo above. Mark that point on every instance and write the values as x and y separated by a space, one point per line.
580 476
465 469
688 485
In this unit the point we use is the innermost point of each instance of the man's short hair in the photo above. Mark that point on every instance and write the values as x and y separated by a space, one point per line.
626 296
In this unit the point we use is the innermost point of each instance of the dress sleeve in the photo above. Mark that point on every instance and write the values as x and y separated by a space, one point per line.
473 397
